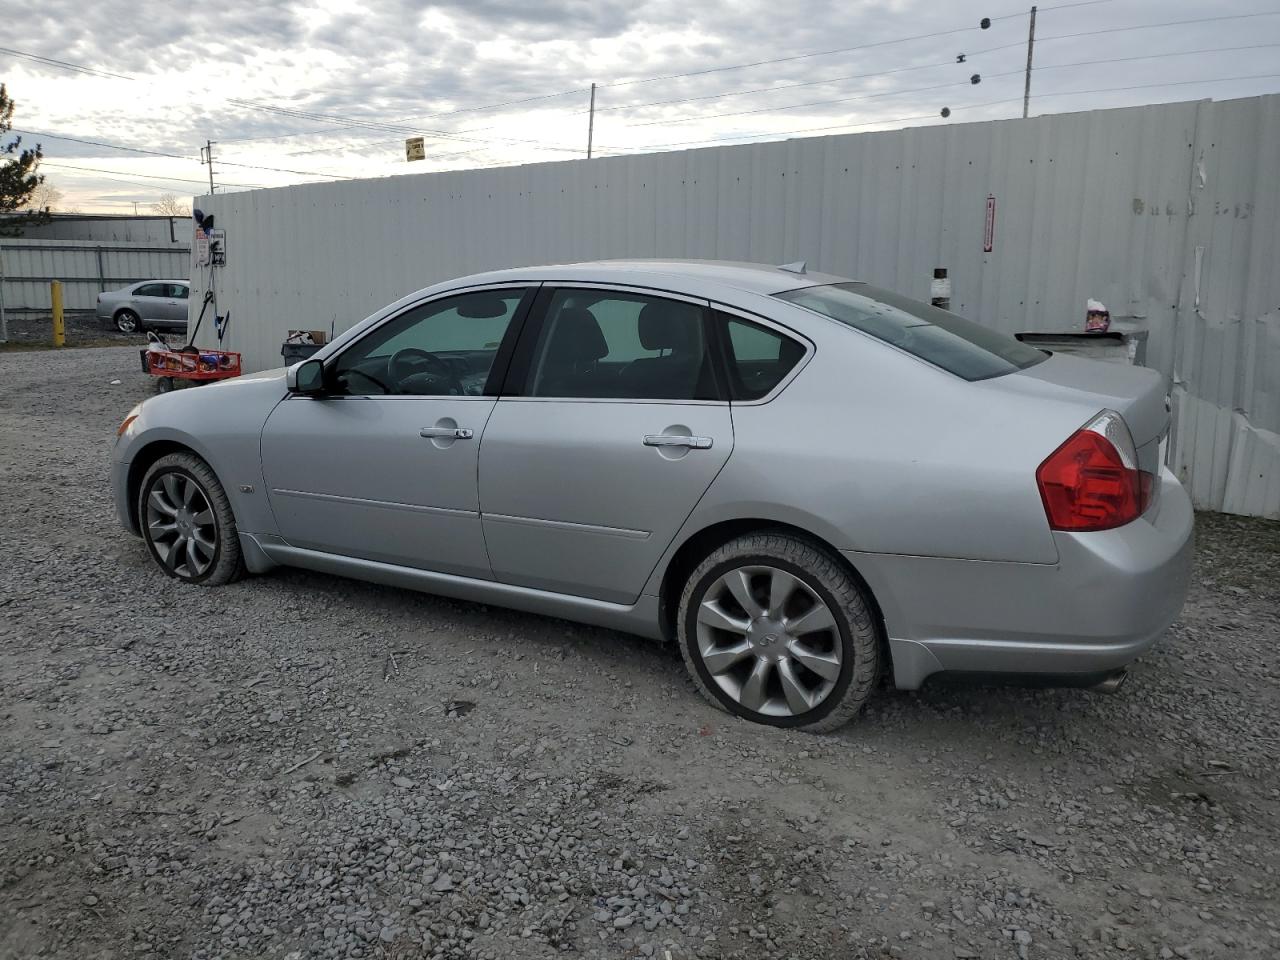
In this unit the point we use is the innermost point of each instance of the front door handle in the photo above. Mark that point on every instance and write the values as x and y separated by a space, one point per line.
675 440
446 433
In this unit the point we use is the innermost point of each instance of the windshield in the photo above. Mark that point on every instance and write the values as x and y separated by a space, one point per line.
957 345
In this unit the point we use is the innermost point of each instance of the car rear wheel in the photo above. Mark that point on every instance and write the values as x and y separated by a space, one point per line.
774 629
128 322
187 521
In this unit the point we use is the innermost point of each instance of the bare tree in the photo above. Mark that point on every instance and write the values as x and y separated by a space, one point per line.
170 206
46 197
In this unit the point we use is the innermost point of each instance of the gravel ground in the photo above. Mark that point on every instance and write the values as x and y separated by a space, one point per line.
302 766
80 329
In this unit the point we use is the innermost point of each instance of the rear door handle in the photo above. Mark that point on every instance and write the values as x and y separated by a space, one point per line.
670 440
448 433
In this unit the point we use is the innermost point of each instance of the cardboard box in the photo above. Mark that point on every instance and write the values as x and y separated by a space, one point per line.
316 337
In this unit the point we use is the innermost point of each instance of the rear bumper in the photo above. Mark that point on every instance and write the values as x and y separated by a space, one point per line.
1111 595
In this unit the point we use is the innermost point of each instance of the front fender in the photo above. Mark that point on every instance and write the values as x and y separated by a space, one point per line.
220 423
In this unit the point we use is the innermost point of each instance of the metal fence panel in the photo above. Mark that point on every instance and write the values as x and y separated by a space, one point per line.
85 269
1169 214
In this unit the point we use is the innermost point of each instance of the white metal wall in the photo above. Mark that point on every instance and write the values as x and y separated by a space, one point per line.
1139 208
84 268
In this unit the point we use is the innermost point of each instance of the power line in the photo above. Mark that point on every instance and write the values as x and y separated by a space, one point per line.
175 156
825 53
63 64
1143 26
147 176
940 86
931 116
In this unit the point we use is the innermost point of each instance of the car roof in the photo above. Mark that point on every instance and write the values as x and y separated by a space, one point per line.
750 277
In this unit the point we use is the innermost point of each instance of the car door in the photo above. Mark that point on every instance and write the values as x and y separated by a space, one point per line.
175 304
383 465
610 428
149 299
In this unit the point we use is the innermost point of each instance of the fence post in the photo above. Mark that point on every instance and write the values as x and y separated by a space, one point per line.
4 321
55 297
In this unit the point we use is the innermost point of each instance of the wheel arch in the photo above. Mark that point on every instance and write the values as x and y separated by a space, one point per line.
698 545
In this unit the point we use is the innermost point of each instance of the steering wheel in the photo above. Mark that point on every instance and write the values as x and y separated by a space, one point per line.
414 361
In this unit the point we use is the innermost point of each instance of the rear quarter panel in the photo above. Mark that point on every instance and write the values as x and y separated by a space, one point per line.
877 451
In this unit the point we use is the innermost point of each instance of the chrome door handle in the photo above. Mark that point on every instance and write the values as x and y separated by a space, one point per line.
670 440
448 433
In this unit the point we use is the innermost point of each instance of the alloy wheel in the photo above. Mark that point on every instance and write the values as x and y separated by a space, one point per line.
127 322
769 641
181 525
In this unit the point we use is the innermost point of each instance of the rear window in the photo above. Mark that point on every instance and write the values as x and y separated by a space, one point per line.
957 345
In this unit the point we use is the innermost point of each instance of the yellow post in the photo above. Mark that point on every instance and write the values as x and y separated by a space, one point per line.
59 330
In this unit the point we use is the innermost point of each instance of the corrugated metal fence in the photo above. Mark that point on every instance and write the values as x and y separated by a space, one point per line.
1169 214
85 269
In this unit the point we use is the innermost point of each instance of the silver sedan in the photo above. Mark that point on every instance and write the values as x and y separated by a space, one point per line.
806 482
151 304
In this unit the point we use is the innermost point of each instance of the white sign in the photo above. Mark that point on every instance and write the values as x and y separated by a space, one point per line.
202 247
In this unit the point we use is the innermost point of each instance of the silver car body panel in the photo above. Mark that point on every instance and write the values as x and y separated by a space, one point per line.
354 476
923 481
170 312
603 505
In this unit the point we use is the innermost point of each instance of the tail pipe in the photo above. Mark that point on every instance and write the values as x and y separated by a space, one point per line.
1112 683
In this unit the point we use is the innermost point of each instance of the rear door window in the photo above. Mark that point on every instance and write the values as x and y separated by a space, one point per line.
152 290
615 345
957 345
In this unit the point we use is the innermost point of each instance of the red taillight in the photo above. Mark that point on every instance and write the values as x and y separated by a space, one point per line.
1092 482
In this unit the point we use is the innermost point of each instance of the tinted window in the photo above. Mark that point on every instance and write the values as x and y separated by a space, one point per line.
152 290
180 290
614 345
759 358
442 348
951 342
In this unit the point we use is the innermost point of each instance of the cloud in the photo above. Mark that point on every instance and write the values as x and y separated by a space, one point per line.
382 69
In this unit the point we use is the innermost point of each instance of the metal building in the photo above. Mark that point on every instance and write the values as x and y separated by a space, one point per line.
1169 214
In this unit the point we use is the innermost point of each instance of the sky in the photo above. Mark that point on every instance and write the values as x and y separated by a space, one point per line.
308 90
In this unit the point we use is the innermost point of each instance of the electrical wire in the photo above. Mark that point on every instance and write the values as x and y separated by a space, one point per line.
175 156
1143 26
932 116
148 176
64 64
957 83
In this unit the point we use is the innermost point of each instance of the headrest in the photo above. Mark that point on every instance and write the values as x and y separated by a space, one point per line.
576 337
668 325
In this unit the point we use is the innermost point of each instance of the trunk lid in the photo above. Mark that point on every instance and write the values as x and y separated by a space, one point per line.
1137 393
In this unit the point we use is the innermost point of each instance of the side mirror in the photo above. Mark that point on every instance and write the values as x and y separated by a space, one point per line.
307 378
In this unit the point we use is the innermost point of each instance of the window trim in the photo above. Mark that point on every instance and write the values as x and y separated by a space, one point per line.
501 359
516 384
769 324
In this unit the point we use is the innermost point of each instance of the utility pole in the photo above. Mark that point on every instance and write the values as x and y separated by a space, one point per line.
1031 45
591 121
206 156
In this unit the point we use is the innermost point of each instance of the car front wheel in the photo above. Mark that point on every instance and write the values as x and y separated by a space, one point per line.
128 322
775 629
187 521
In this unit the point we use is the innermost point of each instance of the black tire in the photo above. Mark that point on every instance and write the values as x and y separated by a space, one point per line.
128 322
164 384
227 563
856 628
